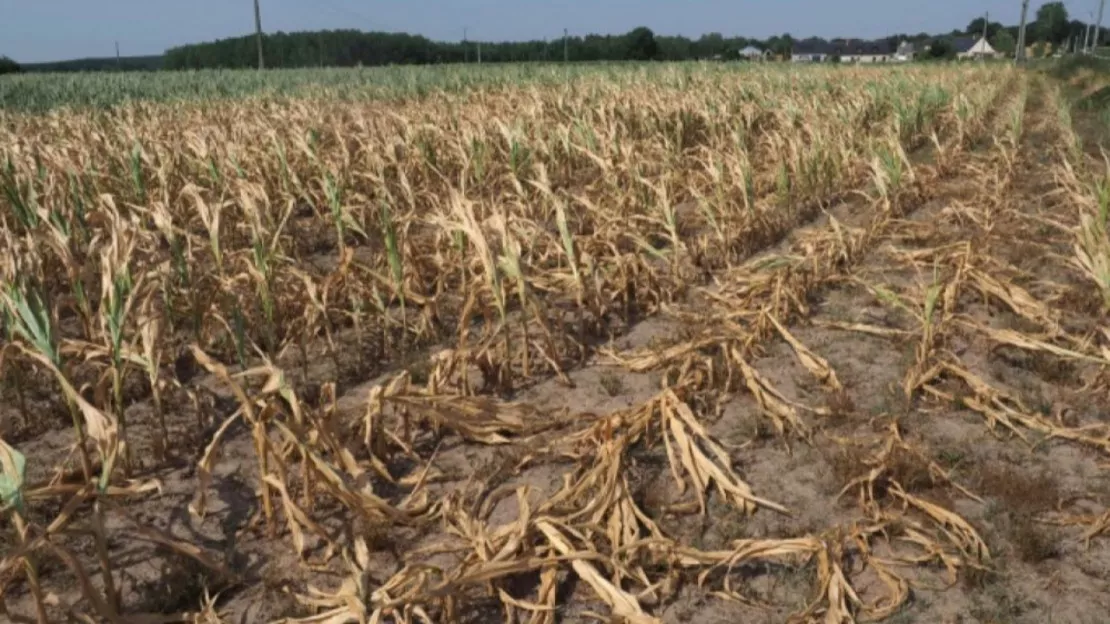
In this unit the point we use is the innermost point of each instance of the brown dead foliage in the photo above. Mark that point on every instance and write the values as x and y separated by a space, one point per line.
460 262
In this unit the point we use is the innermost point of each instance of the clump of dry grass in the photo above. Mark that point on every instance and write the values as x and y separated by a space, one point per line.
612 383
840 404
1033 542
1019 490
1022 499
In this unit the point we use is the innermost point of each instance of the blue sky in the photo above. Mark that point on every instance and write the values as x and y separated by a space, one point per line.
44 30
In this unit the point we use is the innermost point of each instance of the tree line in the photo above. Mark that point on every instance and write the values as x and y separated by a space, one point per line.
106 63
8 66
345 48
1051 28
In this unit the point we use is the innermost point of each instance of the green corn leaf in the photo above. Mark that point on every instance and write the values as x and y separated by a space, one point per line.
13 470
32 320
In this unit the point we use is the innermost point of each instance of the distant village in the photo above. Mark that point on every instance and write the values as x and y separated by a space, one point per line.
816 50
852 51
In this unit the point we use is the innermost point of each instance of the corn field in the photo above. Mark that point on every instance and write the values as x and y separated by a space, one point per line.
41 92
662 344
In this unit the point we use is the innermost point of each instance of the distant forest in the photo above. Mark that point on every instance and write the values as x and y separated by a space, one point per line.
125 63
1050 27
345 48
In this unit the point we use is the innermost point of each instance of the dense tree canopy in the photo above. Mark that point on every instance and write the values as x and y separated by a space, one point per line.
1004 42
8 66
940 48
1052 23
352 47
641 45
976 28
781 45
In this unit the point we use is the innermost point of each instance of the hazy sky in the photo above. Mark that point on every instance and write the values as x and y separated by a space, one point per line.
45 30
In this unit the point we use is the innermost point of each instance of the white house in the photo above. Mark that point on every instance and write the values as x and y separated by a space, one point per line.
971 48
866 52
851 51
905 52
753 53
811 51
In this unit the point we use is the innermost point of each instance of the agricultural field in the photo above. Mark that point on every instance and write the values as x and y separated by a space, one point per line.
43 92
672 344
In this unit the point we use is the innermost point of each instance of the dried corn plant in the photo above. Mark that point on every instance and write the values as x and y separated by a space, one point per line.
256 259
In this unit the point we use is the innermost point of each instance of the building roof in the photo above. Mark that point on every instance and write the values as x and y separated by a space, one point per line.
844 47
751 51
973 46
981 47
963 45
880 47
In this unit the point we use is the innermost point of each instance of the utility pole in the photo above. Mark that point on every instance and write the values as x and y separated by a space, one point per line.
258 34
1087 36
1090 43
986 22
1019 54
566 49
119 63
1098 25
466 47
479 51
